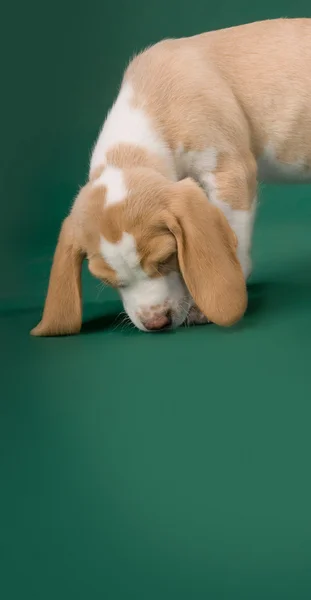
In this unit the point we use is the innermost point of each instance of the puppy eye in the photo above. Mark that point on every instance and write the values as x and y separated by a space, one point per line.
165 261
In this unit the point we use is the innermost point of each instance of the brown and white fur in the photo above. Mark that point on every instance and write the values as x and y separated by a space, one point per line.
168 211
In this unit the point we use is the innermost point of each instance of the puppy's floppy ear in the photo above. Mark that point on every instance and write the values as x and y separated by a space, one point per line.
62 313
207 254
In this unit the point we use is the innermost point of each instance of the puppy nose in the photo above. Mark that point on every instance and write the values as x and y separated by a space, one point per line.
158 322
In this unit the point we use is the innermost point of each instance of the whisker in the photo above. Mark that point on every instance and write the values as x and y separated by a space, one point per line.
121 322
100 288
127 325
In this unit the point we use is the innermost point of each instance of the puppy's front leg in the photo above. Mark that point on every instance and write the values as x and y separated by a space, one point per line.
242 222
232 188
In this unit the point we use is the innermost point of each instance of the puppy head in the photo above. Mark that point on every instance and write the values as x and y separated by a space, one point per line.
161 244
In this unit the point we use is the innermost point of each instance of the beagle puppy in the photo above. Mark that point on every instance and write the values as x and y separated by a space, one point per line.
167 214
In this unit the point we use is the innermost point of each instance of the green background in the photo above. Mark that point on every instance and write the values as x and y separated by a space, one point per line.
135 466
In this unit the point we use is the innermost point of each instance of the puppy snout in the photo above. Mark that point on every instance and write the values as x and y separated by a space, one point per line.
157 321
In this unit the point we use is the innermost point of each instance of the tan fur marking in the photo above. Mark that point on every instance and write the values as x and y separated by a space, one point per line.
125 156
97 172
236 181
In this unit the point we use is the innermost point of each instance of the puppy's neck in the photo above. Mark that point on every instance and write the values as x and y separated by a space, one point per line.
128 156
130 138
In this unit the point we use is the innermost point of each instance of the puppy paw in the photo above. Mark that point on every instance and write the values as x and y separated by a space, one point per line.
247 267
196 317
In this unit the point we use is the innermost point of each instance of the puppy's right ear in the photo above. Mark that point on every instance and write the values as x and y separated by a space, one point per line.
62 313
207 254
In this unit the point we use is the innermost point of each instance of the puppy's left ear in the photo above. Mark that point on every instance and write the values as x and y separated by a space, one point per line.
207 254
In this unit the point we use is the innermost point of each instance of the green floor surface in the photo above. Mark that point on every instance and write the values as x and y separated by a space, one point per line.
140 466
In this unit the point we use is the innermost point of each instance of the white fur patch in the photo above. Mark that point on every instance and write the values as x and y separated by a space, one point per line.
271 169
168 291
126 124
122 257
242 223
209 184
195 163
112 178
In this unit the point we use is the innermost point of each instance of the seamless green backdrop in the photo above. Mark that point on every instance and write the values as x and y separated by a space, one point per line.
135 466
